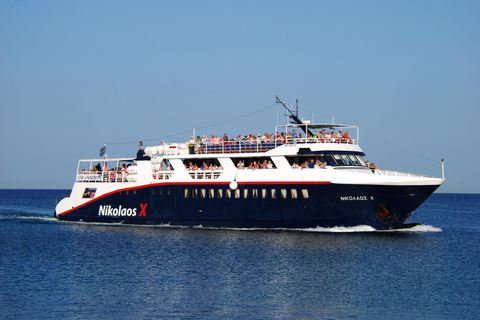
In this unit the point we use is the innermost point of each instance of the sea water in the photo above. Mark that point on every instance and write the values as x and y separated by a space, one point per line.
64 270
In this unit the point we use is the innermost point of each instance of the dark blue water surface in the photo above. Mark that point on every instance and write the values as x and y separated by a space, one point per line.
61 270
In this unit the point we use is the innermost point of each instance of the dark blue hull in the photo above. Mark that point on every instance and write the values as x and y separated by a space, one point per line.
256 205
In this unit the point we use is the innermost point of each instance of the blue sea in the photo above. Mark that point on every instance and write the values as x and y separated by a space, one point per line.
64 270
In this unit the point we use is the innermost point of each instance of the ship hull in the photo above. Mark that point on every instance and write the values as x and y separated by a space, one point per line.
255 205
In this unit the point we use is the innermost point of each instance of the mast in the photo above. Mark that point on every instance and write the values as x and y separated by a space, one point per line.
294 116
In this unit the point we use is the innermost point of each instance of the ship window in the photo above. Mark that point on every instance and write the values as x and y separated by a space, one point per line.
187 193
274 193
194 193
237 193
203 193
245 193
330 159
89 193
127 192
168 191
294 193
211 194
305 193
283 192
255 193
264 193
220 193
361 161
228 193
346 159
160 191
338 160
134 191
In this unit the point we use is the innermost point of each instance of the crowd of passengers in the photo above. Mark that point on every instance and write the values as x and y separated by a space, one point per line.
281 137
119 173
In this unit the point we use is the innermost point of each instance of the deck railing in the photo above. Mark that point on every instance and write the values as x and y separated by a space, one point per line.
260 146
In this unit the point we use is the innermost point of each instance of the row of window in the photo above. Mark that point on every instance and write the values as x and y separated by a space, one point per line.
246 193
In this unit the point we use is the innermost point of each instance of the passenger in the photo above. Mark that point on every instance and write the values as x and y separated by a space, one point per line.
346 138
269 165
295 166
318 164
240 165
311 165
255 165
300 138
198 145
216 140
328 137
192 140
339 136
224 138
264 165
304 165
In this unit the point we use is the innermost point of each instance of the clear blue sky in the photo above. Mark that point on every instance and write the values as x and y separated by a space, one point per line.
77 74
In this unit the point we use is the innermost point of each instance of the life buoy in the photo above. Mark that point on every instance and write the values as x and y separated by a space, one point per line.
112 175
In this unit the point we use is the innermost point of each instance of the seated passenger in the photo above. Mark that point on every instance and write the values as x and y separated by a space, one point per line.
295 166
269 165
311 164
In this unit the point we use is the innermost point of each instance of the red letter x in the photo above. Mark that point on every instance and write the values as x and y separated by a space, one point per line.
142 211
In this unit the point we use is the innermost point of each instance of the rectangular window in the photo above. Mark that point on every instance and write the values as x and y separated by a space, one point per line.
346 159
153 191
361 161
220 193
255 193
353 160
187 193
274 193
338 160
264 193
284 193
245 193
228 193
211 193
293 192
90 193
194 193
237 193
305 193
203 193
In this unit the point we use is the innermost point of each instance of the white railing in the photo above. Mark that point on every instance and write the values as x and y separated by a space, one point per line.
109 176
390 173
205 174
257 146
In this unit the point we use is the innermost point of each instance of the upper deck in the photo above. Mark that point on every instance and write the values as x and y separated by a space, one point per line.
285 135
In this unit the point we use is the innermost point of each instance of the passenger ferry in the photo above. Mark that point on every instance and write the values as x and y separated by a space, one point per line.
278 181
